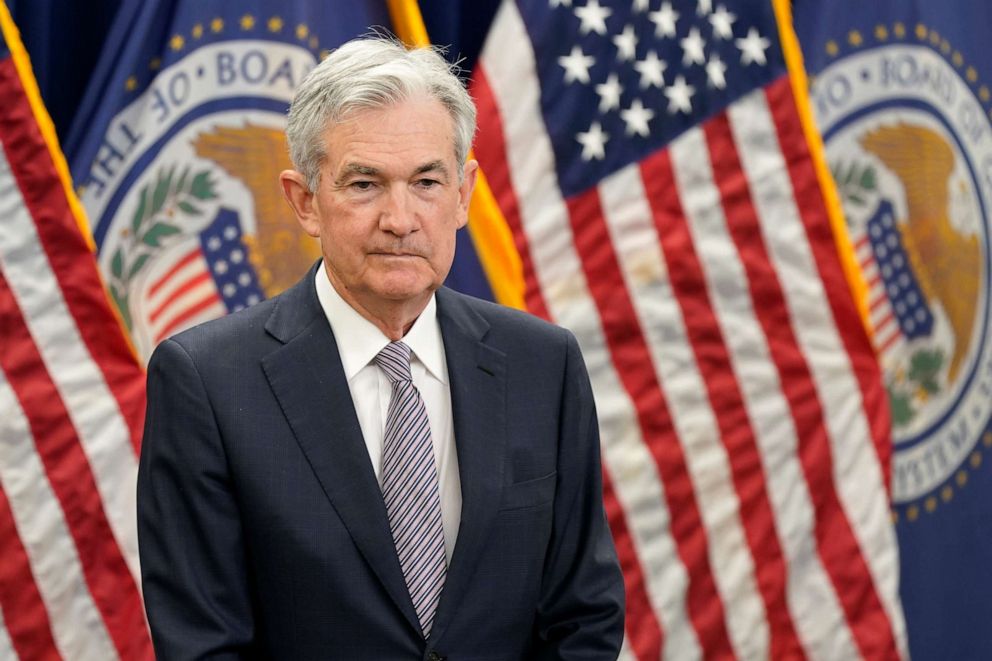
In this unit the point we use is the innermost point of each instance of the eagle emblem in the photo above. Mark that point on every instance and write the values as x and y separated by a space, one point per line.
255 155
945 259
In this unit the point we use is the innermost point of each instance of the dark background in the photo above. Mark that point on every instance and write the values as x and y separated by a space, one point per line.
64 39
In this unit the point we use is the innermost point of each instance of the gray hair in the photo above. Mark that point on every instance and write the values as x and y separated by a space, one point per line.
372 72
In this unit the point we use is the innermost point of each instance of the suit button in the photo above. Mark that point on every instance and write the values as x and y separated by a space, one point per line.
434 656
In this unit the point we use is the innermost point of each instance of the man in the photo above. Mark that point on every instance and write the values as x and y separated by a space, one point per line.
370 466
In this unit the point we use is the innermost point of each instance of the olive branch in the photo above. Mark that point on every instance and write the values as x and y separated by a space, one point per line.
855 182
919 384
153 224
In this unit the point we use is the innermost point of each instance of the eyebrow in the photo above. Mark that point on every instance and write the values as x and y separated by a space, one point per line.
433 166
369 171
355 168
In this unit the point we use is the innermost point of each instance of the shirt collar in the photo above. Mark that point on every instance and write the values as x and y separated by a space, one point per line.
359 340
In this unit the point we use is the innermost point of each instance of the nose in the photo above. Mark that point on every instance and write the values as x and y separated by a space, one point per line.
397 215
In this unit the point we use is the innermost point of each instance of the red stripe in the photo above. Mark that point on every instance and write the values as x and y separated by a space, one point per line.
874 280
630 355
877 302
887 344
644 634
24 614
68 254
836 541
182 263
714 364
187 313
197 280
107 575
814 216
862 242
490 149
885 321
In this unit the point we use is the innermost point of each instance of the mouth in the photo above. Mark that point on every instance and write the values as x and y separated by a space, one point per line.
394 255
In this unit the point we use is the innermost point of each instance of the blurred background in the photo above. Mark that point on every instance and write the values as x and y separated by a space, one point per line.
767 224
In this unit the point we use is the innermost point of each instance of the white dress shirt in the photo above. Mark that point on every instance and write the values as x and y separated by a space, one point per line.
359 341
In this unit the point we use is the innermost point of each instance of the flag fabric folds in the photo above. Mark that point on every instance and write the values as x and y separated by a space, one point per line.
71 407
177 148
656 165
902 96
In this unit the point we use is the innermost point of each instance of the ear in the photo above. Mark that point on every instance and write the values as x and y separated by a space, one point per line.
465 191
300 198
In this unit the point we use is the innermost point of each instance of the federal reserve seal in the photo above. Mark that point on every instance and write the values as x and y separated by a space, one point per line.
184 191
910 147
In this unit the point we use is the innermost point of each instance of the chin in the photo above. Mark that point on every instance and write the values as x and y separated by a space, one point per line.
401 291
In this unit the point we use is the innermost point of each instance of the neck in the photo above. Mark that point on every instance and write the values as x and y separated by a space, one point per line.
393 318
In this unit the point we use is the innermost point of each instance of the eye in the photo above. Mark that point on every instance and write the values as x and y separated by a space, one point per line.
428 183
361 185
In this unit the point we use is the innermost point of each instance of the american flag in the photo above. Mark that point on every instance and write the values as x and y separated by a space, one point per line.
71 408
651 160
898 308
201 281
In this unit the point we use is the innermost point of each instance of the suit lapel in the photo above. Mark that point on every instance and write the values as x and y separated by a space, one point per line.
477 380
307 378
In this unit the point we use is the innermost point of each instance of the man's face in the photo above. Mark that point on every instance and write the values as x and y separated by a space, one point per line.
389 202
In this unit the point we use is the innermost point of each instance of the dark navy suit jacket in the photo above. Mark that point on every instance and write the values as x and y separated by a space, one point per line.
262 528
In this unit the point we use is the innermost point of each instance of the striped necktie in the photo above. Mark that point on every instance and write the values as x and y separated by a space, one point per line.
410 486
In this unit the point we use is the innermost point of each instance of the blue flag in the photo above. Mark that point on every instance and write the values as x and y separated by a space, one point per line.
902 95
177 148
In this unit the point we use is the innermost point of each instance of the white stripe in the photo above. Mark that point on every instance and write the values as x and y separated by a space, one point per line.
646 276
857 472
6 644
102 430
167 288
625 652
545 218
700 201
184 303
809 594
77 626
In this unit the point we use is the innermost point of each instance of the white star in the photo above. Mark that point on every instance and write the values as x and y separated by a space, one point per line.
559 3
679 95
637 117
609 93
715 69
692 48
593 17
704 7
652 70
576 65
626 43
641 6
593 142
664 20
722 20
752 47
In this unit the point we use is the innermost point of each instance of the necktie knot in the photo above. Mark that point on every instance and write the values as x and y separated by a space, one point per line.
394 360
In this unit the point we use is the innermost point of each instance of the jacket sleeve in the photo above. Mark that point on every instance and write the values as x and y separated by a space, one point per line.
581 610
193 564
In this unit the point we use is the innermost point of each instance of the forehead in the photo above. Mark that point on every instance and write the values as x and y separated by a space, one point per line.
410 129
